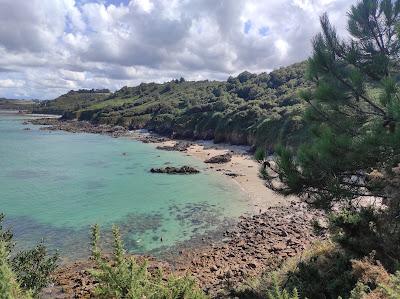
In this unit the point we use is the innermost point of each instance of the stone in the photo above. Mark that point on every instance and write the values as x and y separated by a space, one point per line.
220 159
175 170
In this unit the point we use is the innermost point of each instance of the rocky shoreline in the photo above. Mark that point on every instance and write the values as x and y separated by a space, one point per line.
256 244
74 126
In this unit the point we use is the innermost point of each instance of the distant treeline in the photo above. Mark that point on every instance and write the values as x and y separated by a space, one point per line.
104 90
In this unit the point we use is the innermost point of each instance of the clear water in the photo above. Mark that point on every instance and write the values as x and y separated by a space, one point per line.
54 185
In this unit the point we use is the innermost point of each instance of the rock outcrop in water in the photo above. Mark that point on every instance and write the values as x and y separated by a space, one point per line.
175 170
73 126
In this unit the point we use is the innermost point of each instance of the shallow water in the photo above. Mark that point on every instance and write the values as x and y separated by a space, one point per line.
54 185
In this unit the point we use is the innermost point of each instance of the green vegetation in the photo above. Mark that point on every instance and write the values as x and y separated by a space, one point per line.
339 150
326 271
249 109
11 104
24 274
9 287
278 293
350 166
124 277
72 101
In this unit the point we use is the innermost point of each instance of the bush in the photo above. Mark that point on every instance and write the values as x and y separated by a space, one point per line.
278 293
323 271
9 287
124 277
259 155
33 268
29 270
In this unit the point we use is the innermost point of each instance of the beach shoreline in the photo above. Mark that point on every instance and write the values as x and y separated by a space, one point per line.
241 169
274 228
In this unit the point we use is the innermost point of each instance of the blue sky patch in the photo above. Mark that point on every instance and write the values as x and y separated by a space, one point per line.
247 26
263 31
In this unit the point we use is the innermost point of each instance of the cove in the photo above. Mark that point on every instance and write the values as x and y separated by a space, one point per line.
55 185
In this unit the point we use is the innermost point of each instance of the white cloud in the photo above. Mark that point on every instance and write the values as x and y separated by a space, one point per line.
52 46
145 5
8 83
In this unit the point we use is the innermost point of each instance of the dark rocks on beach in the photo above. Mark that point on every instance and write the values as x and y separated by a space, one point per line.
179 147
152 139
175 170
232 174
220 159
256 244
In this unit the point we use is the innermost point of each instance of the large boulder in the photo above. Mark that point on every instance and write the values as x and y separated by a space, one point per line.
220 159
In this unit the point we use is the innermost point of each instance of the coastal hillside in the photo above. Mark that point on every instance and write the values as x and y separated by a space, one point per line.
72 101
248 109
13 104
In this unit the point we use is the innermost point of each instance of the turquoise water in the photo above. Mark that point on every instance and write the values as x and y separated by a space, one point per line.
54 185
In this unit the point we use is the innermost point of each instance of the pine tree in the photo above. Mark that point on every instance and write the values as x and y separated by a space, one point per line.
354 112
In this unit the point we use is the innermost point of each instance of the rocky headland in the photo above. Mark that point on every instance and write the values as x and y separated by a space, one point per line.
74 126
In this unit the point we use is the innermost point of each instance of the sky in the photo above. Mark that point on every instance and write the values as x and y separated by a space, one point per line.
48 47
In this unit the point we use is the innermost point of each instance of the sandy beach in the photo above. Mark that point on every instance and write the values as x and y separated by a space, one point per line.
242 168
243 165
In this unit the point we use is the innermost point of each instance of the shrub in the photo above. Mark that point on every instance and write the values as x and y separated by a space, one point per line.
9 287
33 268
259 155
29 270
124 277
323 271
278 293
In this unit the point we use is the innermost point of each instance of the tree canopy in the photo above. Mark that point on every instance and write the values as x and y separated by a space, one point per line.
353 110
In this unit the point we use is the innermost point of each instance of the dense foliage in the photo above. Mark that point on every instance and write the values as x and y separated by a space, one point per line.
350 166
248 109
25 273
124 277
9 287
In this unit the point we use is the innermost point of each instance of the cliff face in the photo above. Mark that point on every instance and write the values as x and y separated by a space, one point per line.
249 109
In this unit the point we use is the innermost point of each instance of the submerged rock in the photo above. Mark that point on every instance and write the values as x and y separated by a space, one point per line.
220 159
175 170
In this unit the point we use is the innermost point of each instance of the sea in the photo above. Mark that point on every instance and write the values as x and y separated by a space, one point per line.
55 185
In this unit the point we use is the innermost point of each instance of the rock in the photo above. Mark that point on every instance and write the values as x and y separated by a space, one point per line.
175 170
220 159
252 265
214 268
27 129
232 174
396 169
179 147
279 246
